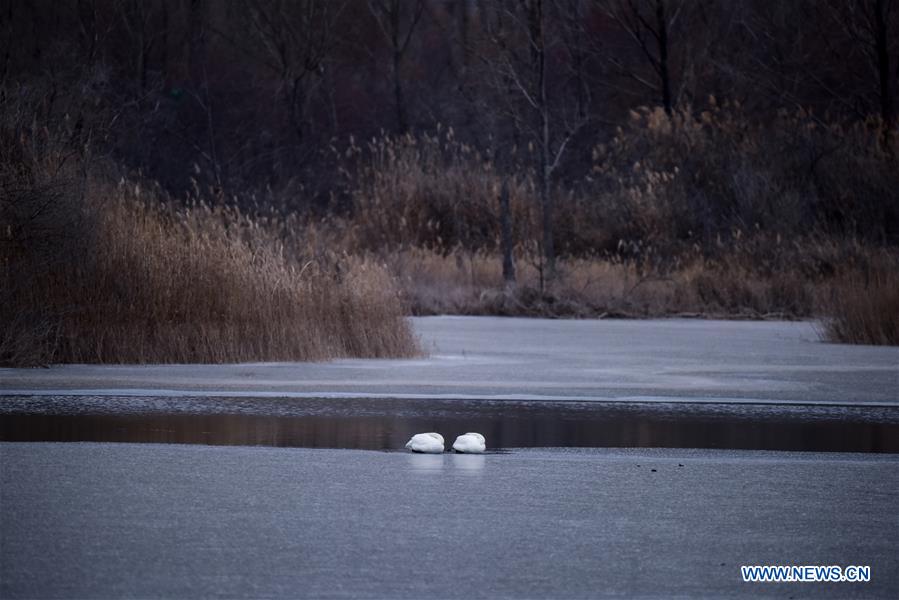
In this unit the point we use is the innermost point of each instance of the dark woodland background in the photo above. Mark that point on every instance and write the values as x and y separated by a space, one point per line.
562 157
252 93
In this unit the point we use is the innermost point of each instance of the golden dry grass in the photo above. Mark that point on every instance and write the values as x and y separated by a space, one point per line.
94 271
472 283
130 281
864 307
699 214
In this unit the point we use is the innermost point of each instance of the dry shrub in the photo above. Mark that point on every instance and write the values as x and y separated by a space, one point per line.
96 272
864 306
429 191
704 213
471 283
796 282
693 179
669 186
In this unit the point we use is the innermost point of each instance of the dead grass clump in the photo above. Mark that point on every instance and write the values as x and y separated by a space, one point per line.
429 191
116 277
466 283
697 178
864 308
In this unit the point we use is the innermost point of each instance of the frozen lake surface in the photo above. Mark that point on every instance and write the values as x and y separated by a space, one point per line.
522 382
146 520
242 501
489 358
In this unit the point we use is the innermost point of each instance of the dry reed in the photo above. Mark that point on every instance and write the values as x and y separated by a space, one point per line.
864 307
704 214
119 278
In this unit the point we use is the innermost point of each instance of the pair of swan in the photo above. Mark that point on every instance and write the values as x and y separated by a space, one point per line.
432 443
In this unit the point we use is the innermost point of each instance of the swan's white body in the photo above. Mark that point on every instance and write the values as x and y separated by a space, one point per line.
428 443
470 443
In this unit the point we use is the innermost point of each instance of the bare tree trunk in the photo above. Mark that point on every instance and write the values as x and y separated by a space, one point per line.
195 37
464 25
662 23
401 124
388 15
652 34
505 219
881 44
546 200
545 166
37 51
7 52
294 98
142 51
332 103
577 54
397 58
164 54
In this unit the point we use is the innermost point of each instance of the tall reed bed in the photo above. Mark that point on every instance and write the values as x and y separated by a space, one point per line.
98 272
472 283
428 191
863 307
670 184
703 213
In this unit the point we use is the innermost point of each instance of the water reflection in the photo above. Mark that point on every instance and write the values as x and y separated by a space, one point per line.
429 463
387 424
468 463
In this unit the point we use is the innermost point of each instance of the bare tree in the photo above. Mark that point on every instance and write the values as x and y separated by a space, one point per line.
295 40
871 27
517 41
140 22
397 24
649 24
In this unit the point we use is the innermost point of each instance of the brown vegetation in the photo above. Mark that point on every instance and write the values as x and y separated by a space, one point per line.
864 307
97 271
705 214
221 180
472 283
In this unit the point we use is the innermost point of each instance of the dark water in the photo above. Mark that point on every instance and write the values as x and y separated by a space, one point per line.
384 424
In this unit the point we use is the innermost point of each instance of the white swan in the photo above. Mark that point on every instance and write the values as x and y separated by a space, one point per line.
470 443
428 443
